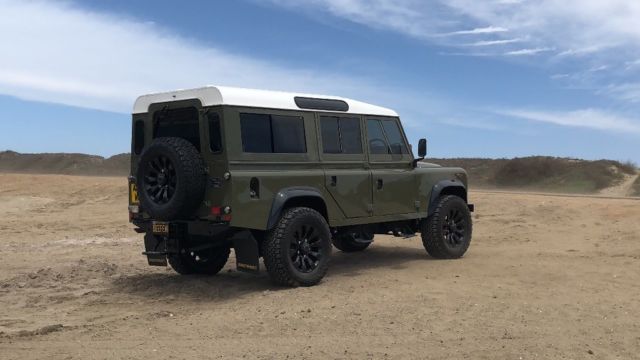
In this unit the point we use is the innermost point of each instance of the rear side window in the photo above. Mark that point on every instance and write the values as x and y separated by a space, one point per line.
215 138
340 135
138 137
265 133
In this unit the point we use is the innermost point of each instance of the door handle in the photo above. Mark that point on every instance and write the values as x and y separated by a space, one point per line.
334 180
380 184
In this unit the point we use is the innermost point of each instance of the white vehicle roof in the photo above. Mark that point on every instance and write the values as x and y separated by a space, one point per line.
222 95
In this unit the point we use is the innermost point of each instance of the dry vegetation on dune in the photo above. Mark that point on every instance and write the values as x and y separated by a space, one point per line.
62 163
531 173
543 173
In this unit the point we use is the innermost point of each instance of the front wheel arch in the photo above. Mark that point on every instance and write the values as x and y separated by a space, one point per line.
444 188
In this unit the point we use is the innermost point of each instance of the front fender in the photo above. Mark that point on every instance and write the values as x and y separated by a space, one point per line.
446 187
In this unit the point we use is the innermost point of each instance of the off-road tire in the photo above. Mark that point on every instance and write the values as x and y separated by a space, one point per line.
434 229
346 243
278 242
185 264
189 173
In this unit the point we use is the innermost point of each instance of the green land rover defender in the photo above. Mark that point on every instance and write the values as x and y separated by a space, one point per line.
284 177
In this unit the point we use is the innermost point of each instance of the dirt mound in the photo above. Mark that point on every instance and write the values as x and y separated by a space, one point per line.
635 188
66 164
544 173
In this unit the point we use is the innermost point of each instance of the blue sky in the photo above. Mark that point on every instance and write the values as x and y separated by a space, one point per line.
499 78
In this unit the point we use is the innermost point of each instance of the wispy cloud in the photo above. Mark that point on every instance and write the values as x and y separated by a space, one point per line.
525 52
577 33
67 55
585 118
627 92
494 42
477 31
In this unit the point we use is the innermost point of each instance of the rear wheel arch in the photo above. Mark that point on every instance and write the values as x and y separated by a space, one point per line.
296 197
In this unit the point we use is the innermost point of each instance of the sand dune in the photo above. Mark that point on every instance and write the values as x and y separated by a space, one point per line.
545 277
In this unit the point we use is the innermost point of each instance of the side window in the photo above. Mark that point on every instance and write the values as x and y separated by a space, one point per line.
330 133
394 136
256 133
138 137
215 138
340 135
287 133
377 141
264 133
350 135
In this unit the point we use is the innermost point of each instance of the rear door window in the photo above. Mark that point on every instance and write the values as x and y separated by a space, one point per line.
180 122
265 133
340 135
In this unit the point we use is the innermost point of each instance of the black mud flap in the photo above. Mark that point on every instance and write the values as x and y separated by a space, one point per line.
155 249
246 249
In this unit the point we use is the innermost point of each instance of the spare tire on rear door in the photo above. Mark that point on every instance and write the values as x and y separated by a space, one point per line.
171 179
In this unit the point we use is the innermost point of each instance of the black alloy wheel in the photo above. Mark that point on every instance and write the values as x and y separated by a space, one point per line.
453 228
305 249
161 181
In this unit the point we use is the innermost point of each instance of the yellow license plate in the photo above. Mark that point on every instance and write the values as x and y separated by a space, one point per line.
133 194
160 228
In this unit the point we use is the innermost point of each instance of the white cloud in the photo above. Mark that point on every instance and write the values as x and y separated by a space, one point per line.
476 31
63 54
628 92
586 118
494 42
578 33
524 52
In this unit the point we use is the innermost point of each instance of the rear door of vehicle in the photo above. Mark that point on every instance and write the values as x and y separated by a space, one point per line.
347 176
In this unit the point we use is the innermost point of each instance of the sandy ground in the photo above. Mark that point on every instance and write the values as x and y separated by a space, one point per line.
546 277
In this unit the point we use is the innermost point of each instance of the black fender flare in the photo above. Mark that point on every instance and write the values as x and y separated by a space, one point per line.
453 186
287 194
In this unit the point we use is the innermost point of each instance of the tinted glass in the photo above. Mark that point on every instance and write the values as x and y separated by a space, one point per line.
138 137
288 134
264 133
396 141
182 123
350 136
256 133
330 135
215 139
375 136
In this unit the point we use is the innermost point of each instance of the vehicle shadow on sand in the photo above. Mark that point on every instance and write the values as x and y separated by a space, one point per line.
231 284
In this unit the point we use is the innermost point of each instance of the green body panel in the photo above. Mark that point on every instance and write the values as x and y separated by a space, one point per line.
349 184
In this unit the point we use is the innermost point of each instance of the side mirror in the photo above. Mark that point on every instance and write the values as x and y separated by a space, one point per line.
422 148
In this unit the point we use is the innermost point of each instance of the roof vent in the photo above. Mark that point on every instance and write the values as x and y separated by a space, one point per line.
321 104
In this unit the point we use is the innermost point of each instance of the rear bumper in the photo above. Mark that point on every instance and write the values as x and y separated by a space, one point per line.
183 228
